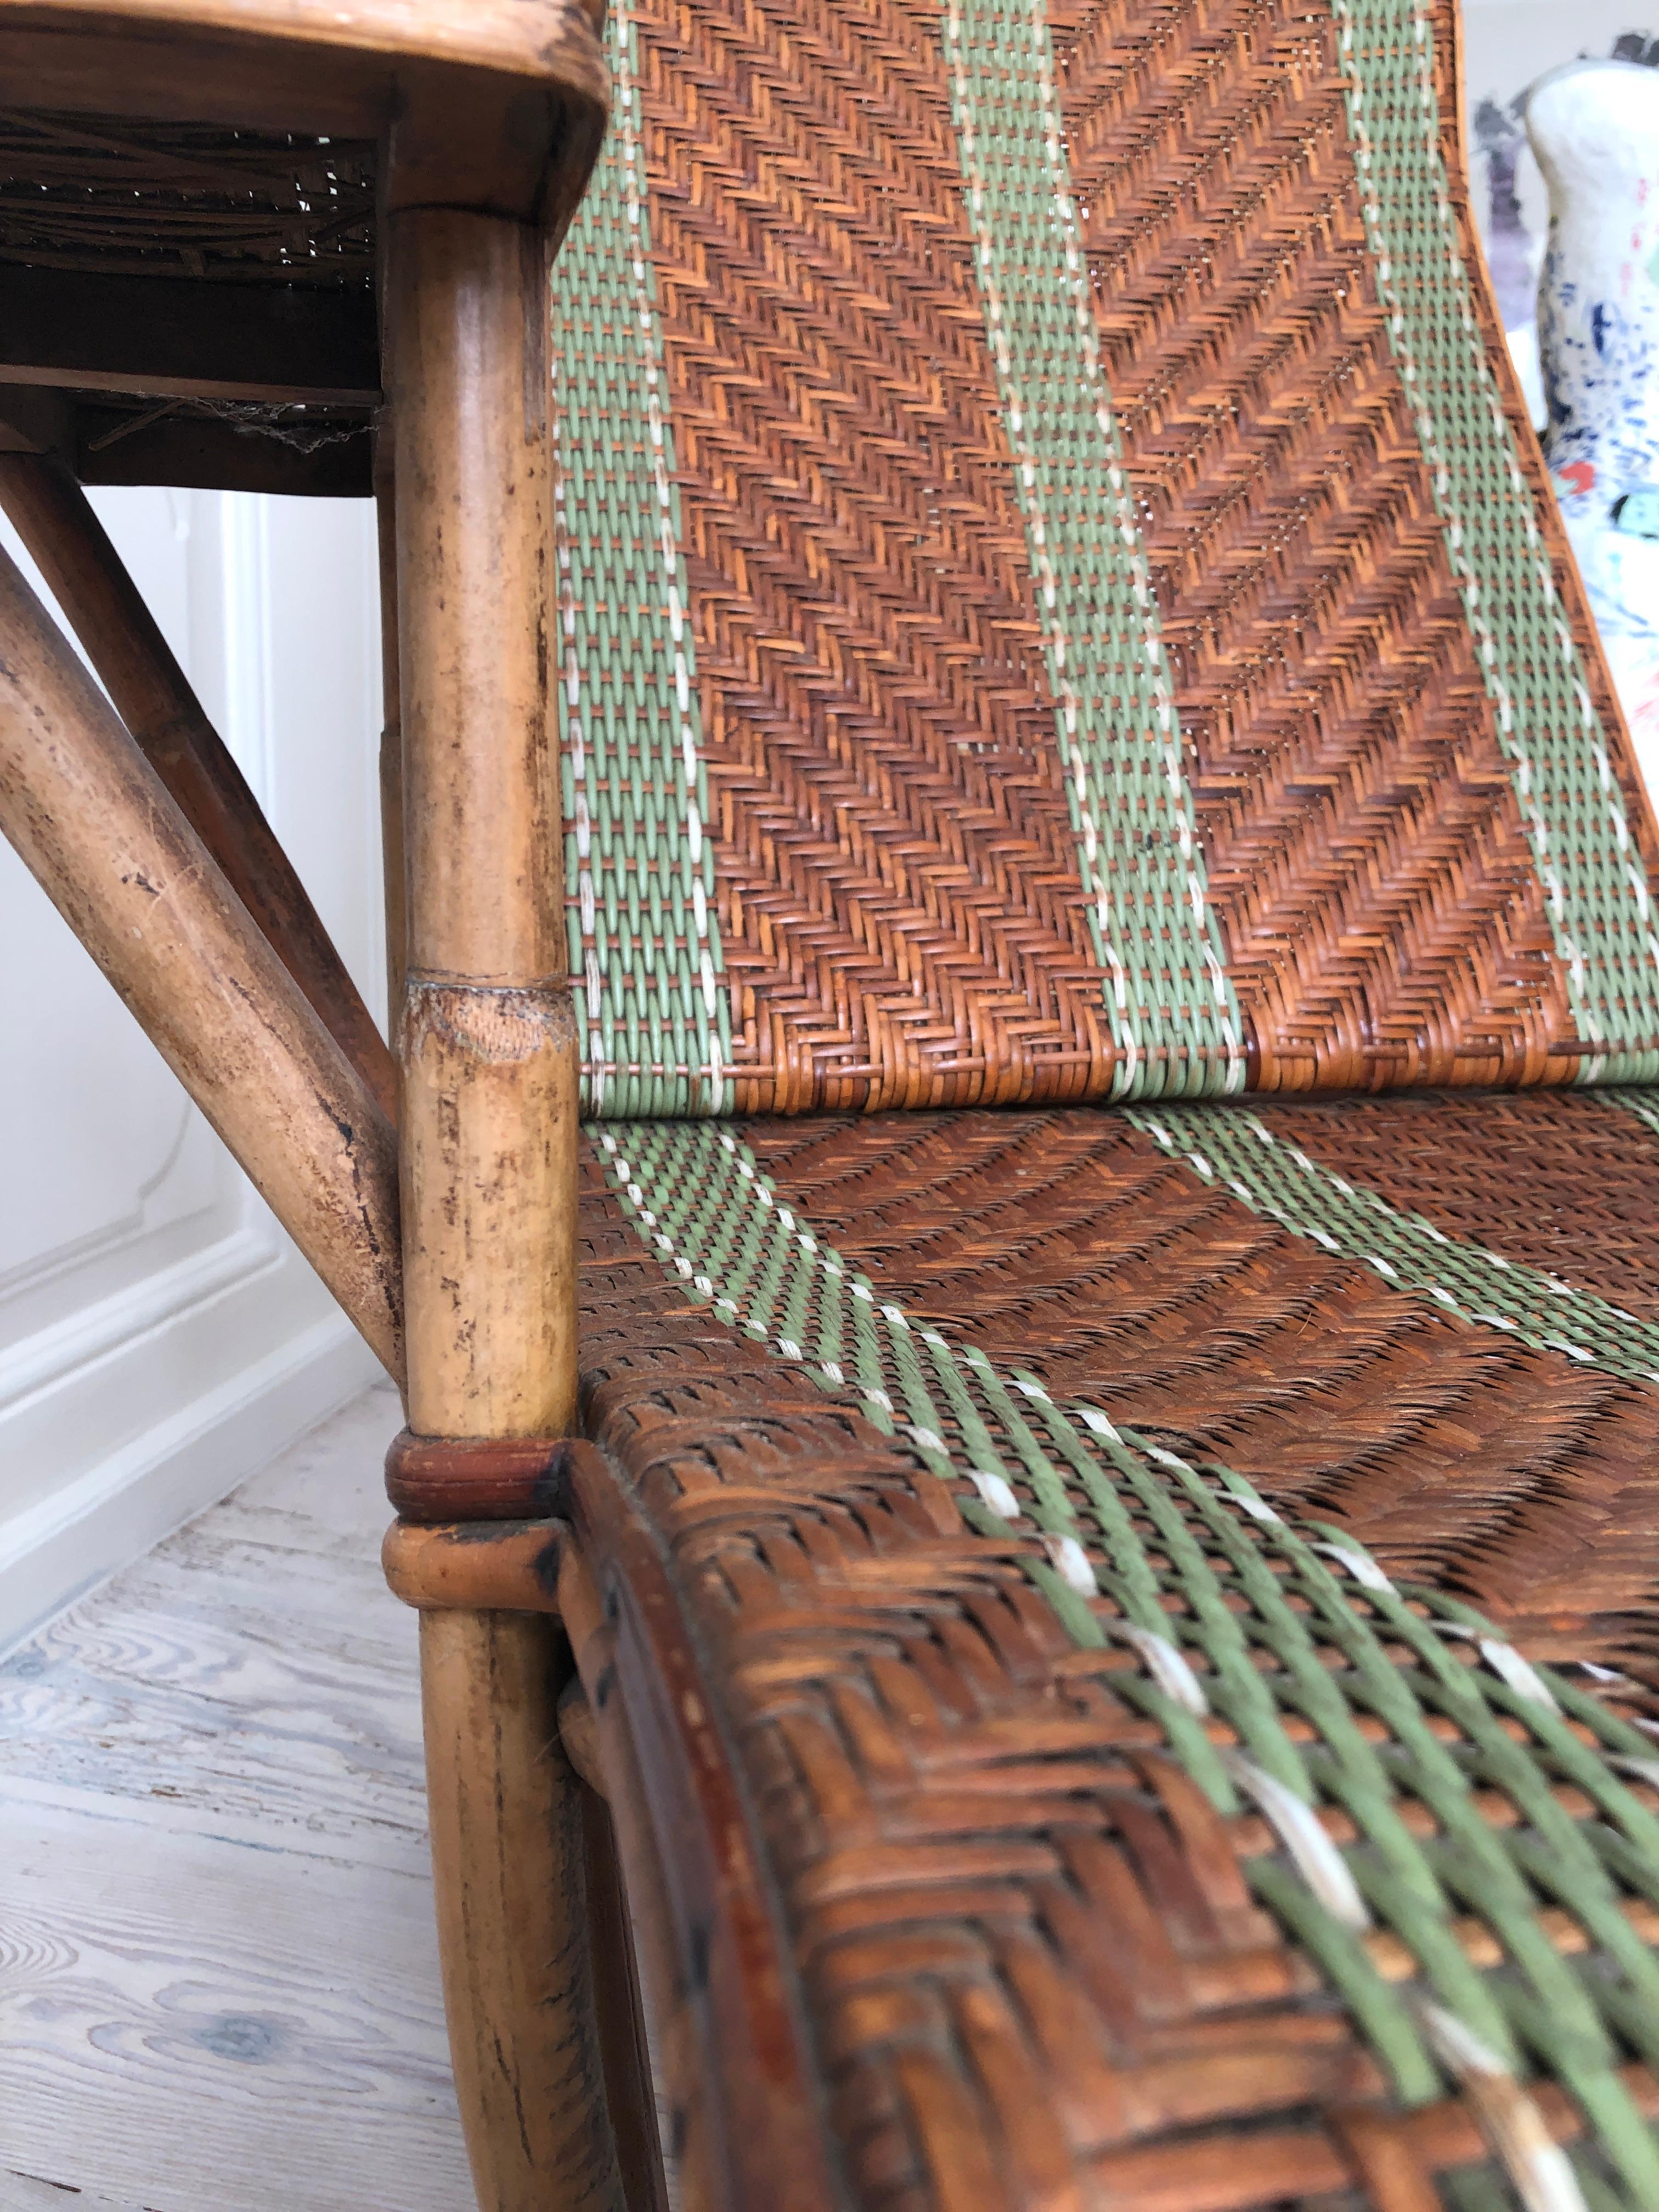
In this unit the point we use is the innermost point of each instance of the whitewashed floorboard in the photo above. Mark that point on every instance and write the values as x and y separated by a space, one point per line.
218 1975
328 1494
27 2192
202 2026
251 1682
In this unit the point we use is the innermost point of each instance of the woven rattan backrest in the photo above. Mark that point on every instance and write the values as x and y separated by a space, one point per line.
1059 597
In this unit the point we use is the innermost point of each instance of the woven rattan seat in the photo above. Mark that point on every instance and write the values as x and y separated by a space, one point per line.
982 1542
1061 611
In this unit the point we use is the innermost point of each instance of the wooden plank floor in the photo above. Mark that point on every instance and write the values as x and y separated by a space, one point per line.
218 1974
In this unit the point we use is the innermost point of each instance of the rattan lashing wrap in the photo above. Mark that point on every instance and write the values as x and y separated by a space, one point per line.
1060 600
1031 1698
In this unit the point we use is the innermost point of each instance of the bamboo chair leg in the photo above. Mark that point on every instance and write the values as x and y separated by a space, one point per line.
507 1853
392 731
55 520
487 1572
488 1162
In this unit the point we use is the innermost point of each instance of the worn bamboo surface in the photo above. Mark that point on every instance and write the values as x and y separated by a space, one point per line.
489 1134
508 1871
488 1046
490 1566
393 872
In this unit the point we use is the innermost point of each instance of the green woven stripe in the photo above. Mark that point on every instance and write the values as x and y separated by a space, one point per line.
1239 1153
1244 1623
1595 892
644 940
1174 1019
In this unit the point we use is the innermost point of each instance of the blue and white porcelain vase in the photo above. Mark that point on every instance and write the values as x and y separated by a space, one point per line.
1594 128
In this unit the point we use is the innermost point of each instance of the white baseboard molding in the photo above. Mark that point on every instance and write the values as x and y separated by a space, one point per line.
54 1550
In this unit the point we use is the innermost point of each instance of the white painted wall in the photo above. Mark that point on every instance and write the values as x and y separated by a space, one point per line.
160 1336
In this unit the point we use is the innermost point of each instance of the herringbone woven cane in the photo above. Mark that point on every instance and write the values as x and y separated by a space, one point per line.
1058 607
1060 600
1127 1546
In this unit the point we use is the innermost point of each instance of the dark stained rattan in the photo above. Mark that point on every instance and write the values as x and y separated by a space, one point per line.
104 197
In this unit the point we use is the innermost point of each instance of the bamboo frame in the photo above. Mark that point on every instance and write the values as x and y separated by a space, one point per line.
92 822
485 1570
489 1072
153 698
508 1866
489 1039
391 729
495 1566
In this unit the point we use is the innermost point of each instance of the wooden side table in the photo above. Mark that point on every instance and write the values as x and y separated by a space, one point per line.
254 243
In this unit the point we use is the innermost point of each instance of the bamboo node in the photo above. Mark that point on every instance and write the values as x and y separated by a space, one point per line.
498 1023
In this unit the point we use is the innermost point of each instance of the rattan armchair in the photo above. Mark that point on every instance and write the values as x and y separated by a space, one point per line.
1096 1653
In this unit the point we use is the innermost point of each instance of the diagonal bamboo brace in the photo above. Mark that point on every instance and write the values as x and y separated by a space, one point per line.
152 695
95 826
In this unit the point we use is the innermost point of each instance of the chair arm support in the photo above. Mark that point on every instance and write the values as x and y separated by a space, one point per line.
492 1566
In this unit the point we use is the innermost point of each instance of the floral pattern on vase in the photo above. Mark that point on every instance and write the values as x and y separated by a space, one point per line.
1594 127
